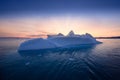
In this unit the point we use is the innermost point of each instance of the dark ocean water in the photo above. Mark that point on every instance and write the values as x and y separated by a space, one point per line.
97 62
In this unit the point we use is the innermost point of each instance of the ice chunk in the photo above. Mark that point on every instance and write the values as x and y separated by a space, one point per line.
56 41
71 59
27 63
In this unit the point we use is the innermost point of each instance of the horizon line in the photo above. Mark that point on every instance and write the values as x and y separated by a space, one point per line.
100 37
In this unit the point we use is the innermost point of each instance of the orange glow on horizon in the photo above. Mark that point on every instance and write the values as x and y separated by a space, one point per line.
34 27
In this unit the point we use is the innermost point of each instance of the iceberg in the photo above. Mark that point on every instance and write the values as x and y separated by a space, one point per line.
58 41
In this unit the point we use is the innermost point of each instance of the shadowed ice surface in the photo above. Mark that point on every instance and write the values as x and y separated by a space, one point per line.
92 62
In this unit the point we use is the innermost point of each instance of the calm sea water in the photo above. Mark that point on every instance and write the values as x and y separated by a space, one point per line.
97 62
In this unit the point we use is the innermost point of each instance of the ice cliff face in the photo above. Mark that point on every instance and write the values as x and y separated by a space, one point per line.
35 44
56 41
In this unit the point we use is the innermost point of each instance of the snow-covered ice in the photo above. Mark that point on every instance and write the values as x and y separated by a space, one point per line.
56 41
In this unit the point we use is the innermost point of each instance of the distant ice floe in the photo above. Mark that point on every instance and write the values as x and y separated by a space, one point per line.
71 59
27 63
58 41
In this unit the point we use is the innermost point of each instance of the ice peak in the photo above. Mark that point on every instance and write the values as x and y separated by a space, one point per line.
88 35
60 34
71 33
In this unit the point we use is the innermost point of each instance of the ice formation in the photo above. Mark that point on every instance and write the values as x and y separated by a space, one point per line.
58 41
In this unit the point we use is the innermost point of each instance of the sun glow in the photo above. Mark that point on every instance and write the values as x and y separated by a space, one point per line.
40 27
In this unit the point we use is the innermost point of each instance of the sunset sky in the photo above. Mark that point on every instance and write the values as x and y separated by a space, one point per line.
37 18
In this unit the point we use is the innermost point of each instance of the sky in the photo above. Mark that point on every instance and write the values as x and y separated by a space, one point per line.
38 18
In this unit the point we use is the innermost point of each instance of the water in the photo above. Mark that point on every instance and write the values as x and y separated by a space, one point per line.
97 62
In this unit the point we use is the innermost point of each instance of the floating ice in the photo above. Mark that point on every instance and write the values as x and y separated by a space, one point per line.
71 59
58 41
27 63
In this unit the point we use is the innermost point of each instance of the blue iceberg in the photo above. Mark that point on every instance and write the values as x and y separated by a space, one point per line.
58 41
